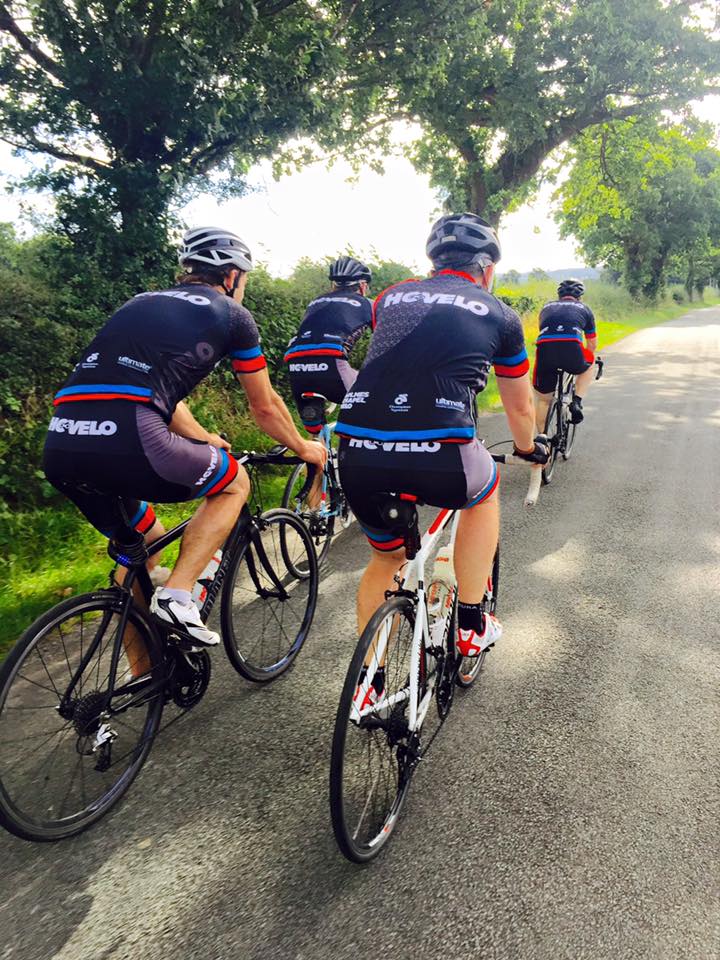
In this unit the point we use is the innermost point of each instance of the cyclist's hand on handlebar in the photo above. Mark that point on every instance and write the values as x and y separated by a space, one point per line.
540 452
315 453
217 440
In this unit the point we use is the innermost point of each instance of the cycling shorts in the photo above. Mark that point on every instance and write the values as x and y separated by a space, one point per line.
98 452
454 475
328 376
570 356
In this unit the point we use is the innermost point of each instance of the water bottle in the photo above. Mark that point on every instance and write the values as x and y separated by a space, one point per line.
440 592
199 591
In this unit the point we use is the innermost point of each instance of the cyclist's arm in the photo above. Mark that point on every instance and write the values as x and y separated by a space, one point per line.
273 417
591 341
185 425
517 400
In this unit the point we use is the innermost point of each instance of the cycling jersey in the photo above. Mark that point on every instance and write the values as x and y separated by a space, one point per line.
317 355
560 341
158 346
332 325
431 352
566 319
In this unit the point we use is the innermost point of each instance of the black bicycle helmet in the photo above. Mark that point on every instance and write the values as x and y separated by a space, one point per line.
461 240
571 288
347 270
215 247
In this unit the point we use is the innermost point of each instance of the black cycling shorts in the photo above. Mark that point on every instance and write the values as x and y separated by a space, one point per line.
98 452
327 376
570 356
454 475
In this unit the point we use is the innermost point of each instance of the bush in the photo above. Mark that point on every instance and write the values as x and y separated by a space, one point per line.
678 296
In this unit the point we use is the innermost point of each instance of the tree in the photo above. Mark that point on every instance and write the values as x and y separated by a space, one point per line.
513 80
642 195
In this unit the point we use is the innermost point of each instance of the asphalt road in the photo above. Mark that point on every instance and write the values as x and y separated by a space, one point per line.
569 808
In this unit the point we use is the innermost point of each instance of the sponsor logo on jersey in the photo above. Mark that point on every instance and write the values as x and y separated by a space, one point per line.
447 299
400 404
352 303
193 298
357 396
134 364
308 367
308 333
90 362
86 428
208 472
398 446
449 404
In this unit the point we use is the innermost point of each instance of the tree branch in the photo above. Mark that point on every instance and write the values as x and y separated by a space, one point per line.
37 145
9 25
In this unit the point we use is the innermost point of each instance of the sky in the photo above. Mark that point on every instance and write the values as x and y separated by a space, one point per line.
320 212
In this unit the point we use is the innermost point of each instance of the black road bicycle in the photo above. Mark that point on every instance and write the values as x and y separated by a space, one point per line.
83 690
559 428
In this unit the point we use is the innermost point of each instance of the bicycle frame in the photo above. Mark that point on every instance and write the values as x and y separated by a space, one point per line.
414 577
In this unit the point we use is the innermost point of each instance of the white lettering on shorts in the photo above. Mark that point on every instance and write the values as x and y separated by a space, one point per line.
450 404
91 428
134 364
208 472
399 446
308 367
474 306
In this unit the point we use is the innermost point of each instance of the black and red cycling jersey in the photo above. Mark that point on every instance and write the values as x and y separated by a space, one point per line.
565 320
158 346
330 328
434 343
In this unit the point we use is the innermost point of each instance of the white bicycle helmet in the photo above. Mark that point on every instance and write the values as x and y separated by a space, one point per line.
215 247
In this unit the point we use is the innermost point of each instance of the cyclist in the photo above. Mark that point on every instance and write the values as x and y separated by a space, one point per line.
560 346
318 354
408 424
121 428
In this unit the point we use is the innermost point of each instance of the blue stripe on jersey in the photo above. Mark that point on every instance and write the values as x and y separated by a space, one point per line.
298 347
104 388
247 354
512 361
366 433
549 335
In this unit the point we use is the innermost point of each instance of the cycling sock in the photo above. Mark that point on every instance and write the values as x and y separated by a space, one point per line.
471 617
182 596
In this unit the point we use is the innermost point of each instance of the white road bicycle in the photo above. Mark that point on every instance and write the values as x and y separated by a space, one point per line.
405 661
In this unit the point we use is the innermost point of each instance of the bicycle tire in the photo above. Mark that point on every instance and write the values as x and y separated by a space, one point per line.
321 541
569 439
247 576
341 803
551 432
466 678
31 826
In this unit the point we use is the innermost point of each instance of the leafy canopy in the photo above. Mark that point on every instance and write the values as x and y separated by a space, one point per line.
641 196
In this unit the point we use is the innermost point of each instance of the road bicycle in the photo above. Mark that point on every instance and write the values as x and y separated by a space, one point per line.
333 508
559 428
405 661
83 691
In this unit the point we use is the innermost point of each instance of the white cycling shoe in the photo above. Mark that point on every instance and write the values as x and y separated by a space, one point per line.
184 617
472 644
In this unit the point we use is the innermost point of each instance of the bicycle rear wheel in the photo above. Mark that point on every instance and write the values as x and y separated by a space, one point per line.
372 755
65 756
321 528
551 432
266 610
570 429
471 667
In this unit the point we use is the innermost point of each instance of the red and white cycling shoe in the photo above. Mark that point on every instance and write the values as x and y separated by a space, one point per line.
470 643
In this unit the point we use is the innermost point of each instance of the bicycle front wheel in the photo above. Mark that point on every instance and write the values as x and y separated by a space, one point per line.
266 610
70 746
321 527
373 757
551 432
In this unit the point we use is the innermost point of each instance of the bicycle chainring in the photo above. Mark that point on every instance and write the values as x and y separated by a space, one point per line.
190 678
